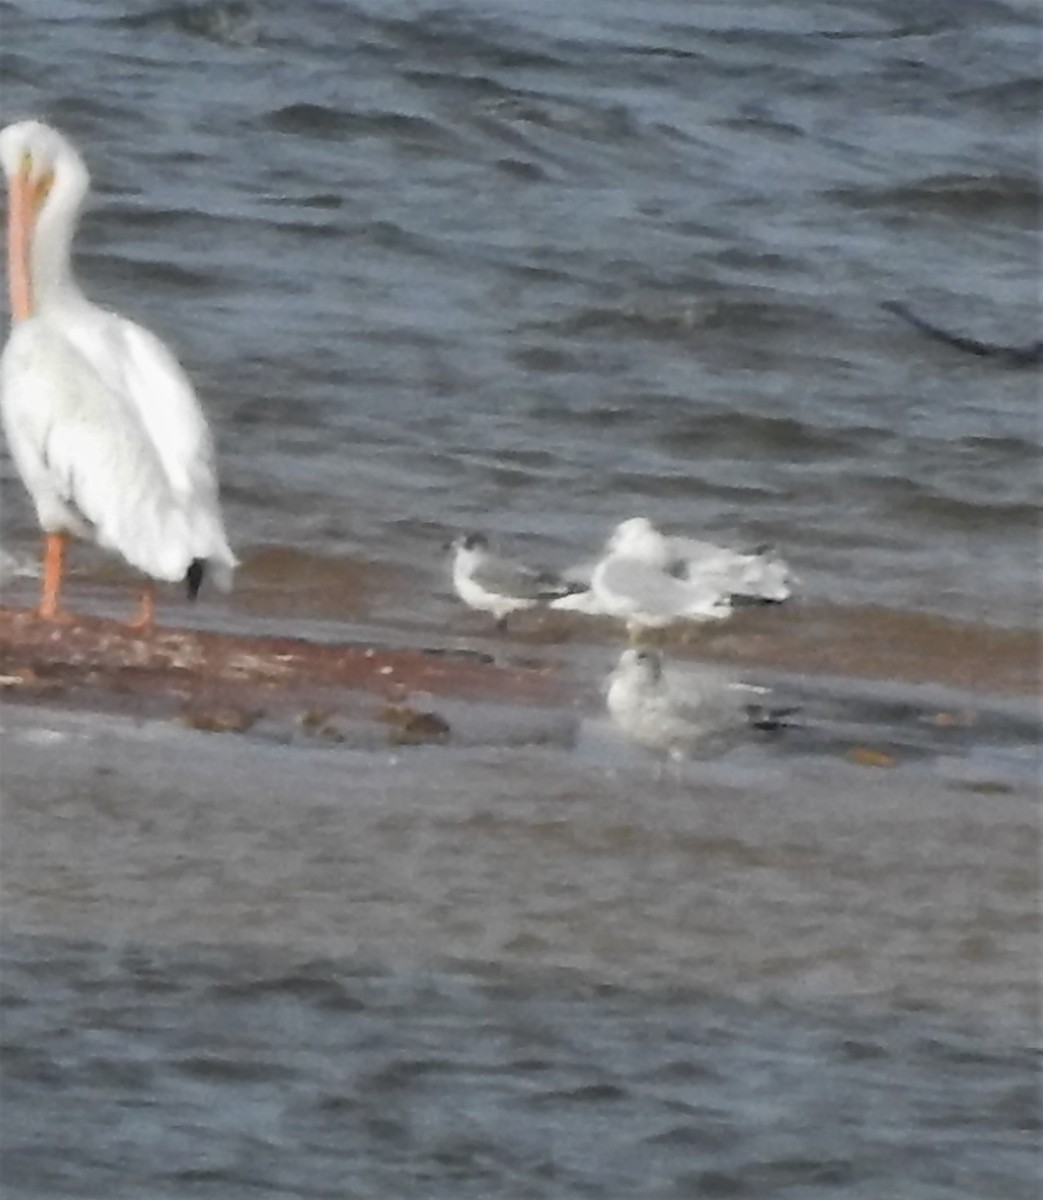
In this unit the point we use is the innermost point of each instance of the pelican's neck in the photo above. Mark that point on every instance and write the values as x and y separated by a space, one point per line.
50 266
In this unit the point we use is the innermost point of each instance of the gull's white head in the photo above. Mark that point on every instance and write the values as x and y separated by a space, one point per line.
470 542
638 538
640 666
468 550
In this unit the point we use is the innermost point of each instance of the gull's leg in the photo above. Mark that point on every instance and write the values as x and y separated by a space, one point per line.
53 565
145 617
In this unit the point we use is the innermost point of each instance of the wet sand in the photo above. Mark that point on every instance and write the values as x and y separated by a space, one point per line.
99 662
92 660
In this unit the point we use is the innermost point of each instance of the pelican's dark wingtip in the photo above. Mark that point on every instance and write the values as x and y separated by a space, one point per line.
194 576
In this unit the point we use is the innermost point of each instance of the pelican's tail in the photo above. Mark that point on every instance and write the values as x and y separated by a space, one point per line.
194 576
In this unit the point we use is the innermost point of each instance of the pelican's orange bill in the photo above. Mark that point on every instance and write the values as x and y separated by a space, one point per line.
19 241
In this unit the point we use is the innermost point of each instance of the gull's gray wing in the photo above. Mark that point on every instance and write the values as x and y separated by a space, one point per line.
716 699
758 574
506 577
708 698
633 583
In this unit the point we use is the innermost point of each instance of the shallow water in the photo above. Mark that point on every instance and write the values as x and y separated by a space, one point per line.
533 272
238 967
324 1079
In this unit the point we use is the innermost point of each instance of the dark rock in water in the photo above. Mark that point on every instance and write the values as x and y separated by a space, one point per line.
410 727
224 719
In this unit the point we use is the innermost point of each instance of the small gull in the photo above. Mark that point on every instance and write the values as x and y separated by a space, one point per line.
713 713
499 585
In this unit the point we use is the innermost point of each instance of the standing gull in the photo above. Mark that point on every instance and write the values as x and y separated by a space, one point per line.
103 424
633 581
743 575
498 585
714 713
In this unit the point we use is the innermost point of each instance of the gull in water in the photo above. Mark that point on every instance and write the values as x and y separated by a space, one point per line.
633 581
498 585
713 713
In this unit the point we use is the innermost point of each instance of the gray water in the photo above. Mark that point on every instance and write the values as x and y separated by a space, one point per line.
524 971
534 269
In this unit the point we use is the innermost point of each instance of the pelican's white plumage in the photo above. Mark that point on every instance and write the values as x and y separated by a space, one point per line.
103 424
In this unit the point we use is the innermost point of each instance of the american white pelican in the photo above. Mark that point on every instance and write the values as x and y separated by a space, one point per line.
498 585
102 423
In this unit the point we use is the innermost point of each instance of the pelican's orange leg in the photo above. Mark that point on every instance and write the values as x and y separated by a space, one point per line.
145 618
53 565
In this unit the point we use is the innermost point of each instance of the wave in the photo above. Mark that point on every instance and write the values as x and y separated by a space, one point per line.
1002 194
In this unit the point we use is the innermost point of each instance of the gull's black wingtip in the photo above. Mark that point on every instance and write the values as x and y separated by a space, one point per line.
194 576
770 720
556 588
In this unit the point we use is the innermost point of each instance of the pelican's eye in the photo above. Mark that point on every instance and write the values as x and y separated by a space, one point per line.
42 189
38 188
